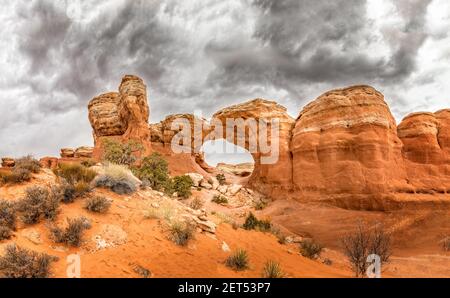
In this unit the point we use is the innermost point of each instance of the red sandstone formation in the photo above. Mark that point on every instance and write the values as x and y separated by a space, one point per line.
344 147
122 115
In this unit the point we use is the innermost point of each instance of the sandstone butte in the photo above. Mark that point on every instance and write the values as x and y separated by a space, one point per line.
344 148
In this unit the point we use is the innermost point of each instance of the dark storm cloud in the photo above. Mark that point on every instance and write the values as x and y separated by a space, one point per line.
309 41
288 50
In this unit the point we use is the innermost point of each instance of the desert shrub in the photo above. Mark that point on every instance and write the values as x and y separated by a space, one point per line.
5 233
28 163
364 242
22 263
260 205
74 173
182 186
72 234
38 203
181 232
196 204
97 204
221 200
22 171
253 223
272 269
310 249
154 170
121 154
76 180
17 175
221 178
238 260
88 163
117 178
8 215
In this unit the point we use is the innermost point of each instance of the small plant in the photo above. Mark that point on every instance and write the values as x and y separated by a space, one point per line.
221 200
364 242
253 223
88 163
238 260
117 178
181 232
221 178
310 249
260 205
72 234
272 269
5 233
154 171
38 203
122 154
21 263
182 186
196 204
97 204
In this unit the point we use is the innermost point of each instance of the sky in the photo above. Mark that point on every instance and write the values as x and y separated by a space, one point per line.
55 56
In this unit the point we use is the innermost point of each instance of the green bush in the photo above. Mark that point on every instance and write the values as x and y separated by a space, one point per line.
181 232
154 171
310 249
221 178
118 178
121 154
238 260
73 233
252 223
272 269
182 186
39 203
22 263
74 173
97 204
221 200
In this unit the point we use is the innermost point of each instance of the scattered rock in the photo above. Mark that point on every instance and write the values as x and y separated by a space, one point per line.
206 226
234 189
215 183
32 235
225 247
222 189
206 184
110 236
196 178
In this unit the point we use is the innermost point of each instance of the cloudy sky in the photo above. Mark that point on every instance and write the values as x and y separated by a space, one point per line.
206 54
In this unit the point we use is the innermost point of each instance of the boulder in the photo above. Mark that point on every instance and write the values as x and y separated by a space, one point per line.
196 178
205 184
67 153
234 189
8 162
84 152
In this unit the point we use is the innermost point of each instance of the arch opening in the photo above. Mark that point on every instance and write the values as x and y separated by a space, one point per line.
229 158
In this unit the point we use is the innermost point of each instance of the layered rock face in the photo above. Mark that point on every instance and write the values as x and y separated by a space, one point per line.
346 142
344 147
426 139
122 115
